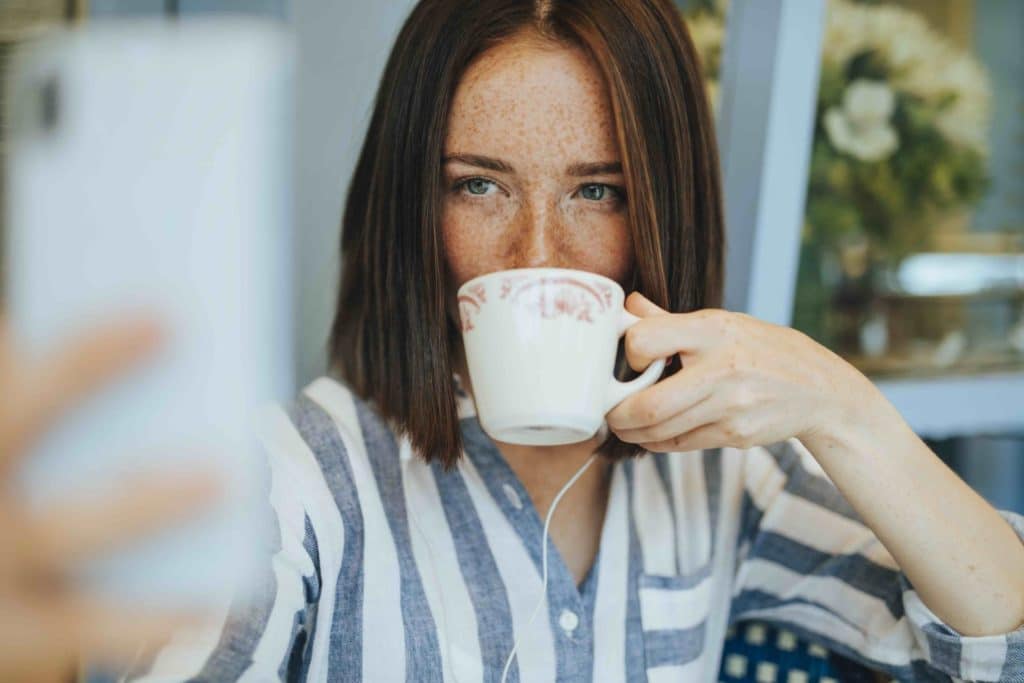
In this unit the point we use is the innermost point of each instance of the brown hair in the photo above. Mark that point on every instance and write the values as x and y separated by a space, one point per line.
393 340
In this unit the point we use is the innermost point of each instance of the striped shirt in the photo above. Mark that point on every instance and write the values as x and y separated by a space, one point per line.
385 568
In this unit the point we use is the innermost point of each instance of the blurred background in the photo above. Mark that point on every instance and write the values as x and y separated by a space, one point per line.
873 156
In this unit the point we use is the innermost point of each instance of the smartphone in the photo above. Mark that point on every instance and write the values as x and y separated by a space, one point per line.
148 168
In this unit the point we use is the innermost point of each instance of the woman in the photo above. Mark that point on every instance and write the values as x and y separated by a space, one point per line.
509 133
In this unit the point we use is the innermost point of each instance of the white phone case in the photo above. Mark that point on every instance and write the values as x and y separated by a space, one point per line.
149 167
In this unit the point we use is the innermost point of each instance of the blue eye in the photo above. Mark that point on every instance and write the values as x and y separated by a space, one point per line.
476 186
602 191
594 192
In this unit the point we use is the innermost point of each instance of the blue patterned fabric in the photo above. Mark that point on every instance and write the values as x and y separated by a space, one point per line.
395 562
760 652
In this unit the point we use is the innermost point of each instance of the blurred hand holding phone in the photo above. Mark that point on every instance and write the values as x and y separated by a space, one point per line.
148 170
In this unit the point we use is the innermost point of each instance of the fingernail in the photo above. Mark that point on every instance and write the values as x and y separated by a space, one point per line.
646 301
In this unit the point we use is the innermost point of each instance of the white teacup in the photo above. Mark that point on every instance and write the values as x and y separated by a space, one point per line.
540 346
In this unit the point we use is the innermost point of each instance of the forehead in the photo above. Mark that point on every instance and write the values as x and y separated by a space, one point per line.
532 102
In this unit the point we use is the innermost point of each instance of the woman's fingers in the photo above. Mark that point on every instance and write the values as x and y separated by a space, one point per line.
663 400
32 644
706 411
37 391
661 334
114 636
42 638
711 435
46 624
73 531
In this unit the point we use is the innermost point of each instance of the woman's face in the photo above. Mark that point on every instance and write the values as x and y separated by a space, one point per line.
532 174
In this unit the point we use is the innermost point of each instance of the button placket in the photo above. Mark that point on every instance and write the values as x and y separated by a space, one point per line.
568 620
510 496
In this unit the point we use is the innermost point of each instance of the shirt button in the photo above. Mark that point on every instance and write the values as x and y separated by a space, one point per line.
513 497
568 621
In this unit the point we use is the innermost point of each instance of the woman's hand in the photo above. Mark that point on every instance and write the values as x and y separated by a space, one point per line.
744 382
46 624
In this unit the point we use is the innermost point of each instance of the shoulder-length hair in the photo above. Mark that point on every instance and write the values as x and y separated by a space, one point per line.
392 341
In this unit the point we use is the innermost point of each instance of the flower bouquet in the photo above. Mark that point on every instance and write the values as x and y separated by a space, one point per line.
900 145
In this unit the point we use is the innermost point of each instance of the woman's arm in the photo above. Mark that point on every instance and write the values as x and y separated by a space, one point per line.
962 557
746 382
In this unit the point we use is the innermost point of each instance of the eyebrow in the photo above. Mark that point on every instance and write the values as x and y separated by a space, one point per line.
577 169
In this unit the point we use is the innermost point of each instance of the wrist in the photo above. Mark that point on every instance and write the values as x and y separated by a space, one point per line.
851 412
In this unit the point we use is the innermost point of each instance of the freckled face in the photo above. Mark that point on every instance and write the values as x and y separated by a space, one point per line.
539 115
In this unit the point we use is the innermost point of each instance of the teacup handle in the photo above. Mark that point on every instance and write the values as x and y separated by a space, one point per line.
619 391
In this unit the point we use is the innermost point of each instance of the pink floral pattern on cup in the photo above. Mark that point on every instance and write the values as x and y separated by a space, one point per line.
469 305
547 297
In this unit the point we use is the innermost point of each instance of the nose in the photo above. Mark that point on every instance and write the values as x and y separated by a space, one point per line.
538 242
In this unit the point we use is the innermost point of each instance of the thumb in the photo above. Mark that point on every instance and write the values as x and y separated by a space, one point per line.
641 306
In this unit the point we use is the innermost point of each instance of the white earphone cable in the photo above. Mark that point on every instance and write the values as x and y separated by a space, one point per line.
544 561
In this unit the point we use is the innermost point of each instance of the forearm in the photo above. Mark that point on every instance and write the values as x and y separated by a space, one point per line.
963 558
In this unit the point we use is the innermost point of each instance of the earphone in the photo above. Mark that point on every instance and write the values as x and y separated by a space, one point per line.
603 433
544 560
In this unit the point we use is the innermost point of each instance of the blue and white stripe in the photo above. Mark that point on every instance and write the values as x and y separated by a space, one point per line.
383 568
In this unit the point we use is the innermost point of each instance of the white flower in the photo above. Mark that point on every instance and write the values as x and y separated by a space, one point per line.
966 121
868 103
861 127
844 32
921 62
